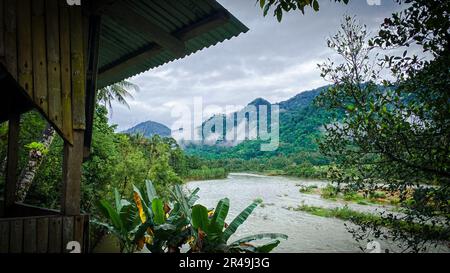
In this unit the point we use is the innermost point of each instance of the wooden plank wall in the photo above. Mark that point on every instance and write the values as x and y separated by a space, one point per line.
42 46
43 234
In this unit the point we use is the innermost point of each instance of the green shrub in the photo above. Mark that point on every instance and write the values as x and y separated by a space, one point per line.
330 192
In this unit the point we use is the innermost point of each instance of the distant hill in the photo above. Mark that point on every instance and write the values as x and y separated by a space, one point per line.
150 128
300 124
305 98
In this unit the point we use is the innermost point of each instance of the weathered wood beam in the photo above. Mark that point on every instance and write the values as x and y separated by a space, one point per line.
12 162
10 36
185 34
66 72
91 79
39 55
73 159
25 49
78 68
53 63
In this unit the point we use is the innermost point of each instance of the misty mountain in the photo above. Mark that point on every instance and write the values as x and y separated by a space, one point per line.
300 125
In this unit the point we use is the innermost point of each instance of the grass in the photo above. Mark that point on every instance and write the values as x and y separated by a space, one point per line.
346 214
207 174
343 213
331 192
308 189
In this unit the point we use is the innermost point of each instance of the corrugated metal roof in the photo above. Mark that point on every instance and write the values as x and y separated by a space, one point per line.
119 42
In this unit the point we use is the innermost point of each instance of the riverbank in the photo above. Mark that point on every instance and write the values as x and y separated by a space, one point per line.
280 199
206 174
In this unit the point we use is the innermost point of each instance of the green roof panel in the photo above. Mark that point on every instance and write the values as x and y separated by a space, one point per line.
181 18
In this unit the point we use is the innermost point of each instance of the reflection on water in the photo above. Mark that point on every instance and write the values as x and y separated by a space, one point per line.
307 233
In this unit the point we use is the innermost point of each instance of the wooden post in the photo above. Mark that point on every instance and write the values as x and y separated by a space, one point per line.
13 159
39 55
91 79
73 159
73 154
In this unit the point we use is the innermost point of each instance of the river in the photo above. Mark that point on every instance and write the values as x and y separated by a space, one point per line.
307 233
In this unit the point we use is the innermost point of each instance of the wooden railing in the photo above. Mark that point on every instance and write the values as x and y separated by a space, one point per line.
44 232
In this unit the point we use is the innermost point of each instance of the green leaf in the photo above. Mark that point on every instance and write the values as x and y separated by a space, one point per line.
266 9
279 13
239 220
110 213
118 201
180 197
129 217
193 197
158 211
146 208
141 231
351 107
220 214
262 3
108 227
151 192
316 5
200 217
267 247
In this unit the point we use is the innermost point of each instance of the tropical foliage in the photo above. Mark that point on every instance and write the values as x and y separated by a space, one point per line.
397 135
168 226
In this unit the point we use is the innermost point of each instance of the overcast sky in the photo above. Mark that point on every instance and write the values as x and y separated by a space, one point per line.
273 60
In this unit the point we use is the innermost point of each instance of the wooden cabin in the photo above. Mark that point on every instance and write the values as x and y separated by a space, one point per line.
54 55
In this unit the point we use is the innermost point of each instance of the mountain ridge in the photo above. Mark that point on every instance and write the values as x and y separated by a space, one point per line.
149 128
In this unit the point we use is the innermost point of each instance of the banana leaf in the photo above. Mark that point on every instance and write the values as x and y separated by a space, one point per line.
151 192
117 200
239 220
108 227
158 211
259 237
220 214
200 218
111 214
193 197
266 248
128 216
145 205
180 197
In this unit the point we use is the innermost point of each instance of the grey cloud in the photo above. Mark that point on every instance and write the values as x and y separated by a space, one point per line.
273 60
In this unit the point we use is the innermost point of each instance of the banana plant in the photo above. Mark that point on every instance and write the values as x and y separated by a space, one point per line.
123 221
213 233
163 229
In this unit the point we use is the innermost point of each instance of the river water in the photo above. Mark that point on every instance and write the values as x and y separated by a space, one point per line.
307 233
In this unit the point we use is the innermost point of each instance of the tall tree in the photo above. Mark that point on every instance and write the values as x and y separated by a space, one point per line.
397 136
119 92
37 152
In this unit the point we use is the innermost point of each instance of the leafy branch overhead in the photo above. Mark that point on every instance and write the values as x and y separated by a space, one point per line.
281 6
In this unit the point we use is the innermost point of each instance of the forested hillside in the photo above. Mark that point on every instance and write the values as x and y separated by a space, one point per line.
301 125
